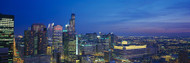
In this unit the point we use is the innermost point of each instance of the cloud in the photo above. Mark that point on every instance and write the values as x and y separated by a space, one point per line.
158 16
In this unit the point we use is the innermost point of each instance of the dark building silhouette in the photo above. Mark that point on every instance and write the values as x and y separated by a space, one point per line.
72 23
183 56
35 40
28 42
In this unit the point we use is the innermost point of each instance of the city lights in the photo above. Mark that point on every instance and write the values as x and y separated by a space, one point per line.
95 31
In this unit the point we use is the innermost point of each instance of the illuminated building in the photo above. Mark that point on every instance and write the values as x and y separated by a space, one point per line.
28 43
69 47
70 42
49 50
35 40
124 42
91 37
57 37
167 58
6 38
100 46
50 33
130 47
16 56
105 45
20 44
40 38
112 41
125 51
57 45
89 46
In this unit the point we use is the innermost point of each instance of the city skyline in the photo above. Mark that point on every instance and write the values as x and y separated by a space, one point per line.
99 31
145 16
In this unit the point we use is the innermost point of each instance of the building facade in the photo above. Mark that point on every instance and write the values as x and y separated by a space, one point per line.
6 38
70 42
57 37
35 40
50 33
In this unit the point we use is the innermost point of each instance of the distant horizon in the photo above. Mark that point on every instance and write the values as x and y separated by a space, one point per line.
126 33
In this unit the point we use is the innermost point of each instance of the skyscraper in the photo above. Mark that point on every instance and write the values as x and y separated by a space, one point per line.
72 23
70 45
40 37
50 33
57 37
28 43
6 38
35 40
70 42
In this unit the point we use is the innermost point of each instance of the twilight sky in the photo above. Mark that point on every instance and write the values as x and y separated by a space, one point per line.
120 16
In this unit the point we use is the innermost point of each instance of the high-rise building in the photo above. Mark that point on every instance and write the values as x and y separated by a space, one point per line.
40 37
70 42
57 37
50 33
28 42
6 38
72 23
70 45
35 40
88 43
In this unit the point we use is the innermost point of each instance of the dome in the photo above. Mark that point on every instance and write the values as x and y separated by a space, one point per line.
124 42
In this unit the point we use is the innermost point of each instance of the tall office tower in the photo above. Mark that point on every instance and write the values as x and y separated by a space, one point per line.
100 44
57 37
65 45
40 37
112 40
70 42
72 23
29 43
108 53
6 38
50 33
35 40
70 48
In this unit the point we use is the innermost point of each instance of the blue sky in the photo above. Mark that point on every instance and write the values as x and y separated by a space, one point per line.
120 16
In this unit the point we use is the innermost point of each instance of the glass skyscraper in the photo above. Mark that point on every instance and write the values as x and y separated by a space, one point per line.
50 33
70 42
57 37
6 38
